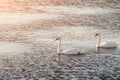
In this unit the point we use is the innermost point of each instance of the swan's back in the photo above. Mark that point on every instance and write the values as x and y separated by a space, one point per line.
70 51
109 44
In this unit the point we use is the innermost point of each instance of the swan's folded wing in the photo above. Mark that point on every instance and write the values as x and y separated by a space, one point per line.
109 44
70 51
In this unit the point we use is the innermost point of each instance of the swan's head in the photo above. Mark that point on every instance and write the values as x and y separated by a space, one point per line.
58 38
97 34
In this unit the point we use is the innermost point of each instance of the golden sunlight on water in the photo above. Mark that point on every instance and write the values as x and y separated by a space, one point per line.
27 39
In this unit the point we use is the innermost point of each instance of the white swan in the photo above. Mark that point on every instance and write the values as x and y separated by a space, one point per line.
67 51
107 44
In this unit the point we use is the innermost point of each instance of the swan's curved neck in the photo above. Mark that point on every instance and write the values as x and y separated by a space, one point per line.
59 45
99 39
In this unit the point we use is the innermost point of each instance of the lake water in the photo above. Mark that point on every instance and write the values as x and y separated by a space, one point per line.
28 47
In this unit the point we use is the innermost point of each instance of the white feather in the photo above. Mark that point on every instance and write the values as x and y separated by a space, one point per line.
108 44
70 51
67 51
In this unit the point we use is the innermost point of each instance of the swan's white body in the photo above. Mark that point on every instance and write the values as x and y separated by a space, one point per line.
107 44
70 51
67 51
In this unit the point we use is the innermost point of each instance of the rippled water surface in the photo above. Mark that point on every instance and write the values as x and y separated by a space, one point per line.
28 50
